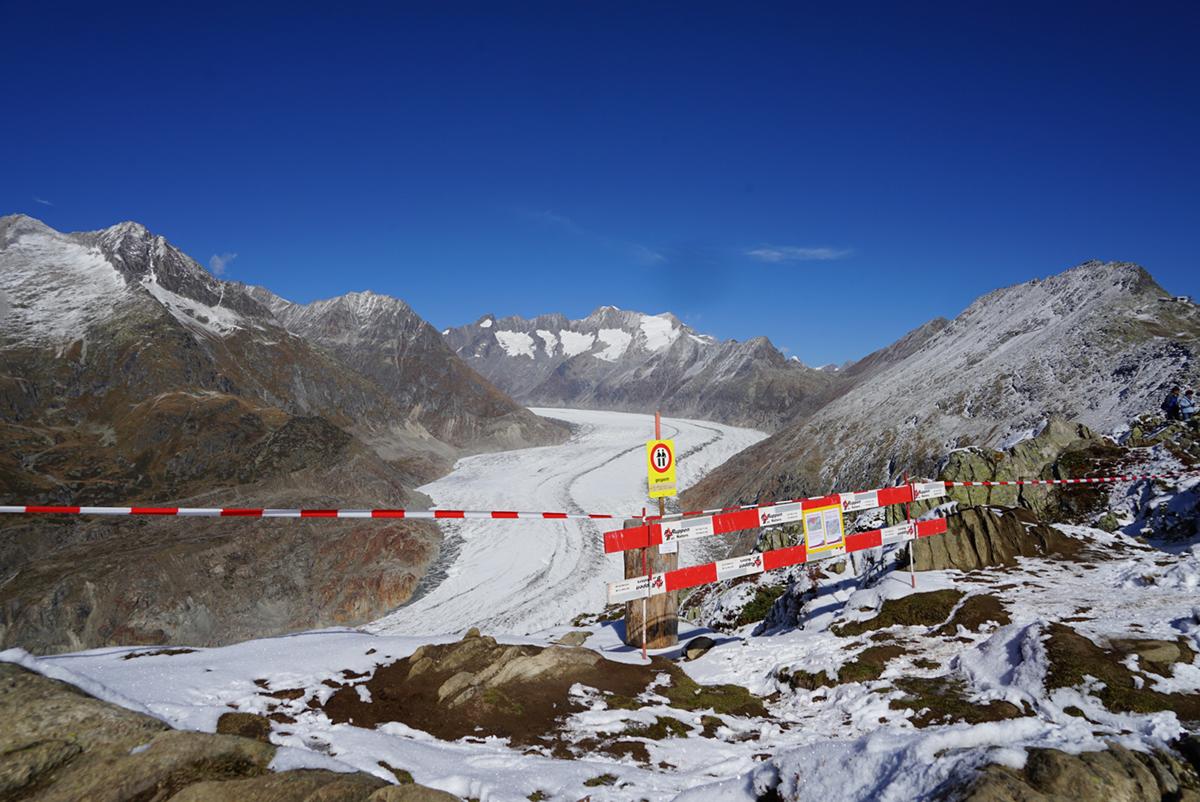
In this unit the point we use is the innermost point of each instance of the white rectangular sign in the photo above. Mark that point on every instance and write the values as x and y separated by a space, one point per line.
853 502
740 566
926 490
688 529
899 533
778 514
637 588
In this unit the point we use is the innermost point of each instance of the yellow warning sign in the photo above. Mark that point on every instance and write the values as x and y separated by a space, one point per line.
660 467
824 529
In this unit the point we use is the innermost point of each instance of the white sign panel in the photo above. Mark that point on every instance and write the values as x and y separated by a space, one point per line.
636 588
899 533
926 490
853 502
780 514
740 566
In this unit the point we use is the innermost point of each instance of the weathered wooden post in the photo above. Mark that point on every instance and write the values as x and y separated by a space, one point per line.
653 623
660 620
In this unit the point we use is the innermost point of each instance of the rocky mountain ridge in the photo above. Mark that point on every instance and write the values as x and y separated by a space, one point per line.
1099 344
129 374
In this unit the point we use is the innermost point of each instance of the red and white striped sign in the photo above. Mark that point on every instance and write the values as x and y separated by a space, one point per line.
656 584
238 512
668 532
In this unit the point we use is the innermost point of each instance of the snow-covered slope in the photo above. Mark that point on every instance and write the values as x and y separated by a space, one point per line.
624 360
1097 344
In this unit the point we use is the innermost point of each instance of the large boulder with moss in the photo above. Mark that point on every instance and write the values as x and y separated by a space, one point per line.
978 537
1062 450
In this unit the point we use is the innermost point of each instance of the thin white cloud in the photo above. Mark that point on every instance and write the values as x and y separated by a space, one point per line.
42 201
219 262
774 254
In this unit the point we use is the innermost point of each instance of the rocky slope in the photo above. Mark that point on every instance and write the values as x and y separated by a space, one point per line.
383 339
129 374
61 744
1100 344
628 361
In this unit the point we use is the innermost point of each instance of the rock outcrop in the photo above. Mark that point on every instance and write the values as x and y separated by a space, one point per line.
1115 773
978 537
59 744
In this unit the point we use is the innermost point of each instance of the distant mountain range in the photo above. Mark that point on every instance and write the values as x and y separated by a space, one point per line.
622 360
128 373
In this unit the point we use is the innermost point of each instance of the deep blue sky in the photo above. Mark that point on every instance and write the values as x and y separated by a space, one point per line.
566 155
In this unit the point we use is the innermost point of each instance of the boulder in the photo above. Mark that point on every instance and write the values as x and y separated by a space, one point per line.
303 784
60 745
1113 775
246 725
574 638
978 537
698 647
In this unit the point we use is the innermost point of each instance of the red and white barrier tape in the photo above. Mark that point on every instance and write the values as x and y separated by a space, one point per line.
656 584
668 532
1174 475
1085 481
765 513
236 512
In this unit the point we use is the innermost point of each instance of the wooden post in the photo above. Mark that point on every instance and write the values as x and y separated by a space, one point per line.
654 622
651 623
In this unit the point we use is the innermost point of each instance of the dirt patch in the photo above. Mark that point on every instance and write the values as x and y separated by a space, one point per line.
974 613
918 609
1072 657
943 700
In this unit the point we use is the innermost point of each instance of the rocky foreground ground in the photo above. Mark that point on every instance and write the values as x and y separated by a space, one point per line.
1048 650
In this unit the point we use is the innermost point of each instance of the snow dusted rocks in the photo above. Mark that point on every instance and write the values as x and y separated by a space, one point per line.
1091 345
60 744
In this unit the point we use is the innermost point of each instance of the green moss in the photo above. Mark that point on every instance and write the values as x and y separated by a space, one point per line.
500 701
760 605
617 702
974 613
663 727
918 609
537 796
710 724
925 663
942 700
866 666
685 693
1072 657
